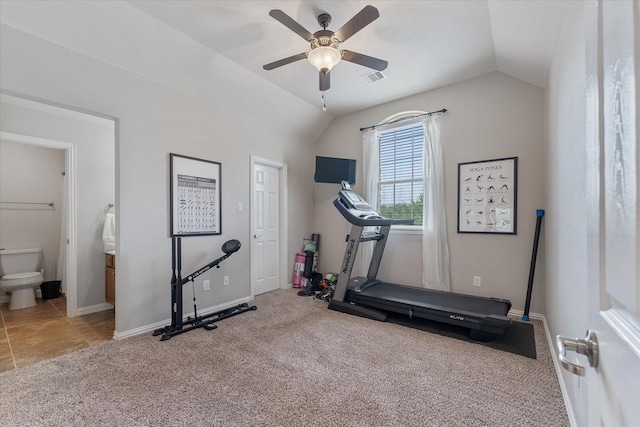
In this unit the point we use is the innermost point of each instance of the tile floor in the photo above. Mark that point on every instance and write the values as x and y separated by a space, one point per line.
42 332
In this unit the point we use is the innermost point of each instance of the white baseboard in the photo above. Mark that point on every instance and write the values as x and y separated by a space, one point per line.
520 313
563 386
552 348
94 308
152 327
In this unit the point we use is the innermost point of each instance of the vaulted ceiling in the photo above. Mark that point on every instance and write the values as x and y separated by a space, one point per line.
428 44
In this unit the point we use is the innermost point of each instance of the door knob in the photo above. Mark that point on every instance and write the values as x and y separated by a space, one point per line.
587 346
257 236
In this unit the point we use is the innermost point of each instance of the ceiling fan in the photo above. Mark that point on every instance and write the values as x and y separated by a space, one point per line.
324 52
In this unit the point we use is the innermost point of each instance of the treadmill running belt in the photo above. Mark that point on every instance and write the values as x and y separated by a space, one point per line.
427 298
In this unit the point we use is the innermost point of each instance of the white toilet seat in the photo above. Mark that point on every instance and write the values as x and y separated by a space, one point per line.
18 279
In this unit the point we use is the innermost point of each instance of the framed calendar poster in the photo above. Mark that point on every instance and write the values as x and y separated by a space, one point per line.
195 196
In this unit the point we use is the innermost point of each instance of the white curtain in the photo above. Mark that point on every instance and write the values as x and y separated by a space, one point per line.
371 173
61 269
435 247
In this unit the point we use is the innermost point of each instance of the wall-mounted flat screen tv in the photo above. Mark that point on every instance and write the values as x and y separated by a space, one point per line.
334 170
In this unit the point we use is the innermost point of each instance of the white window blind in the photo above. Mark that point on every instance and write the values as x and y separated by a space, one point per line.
401 188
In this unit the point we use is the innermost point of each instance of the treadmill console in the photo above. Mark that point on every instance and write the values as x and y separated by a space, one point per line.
356 205
353 201
357 211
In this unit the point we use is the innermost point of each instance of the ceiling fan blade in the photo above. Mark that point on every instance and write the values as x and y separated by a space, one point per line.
367 61
325 83
285 61
361 19
291 24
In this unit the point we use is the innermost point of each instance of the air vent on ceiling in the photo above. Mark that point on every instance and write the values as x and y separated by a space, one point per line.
373 77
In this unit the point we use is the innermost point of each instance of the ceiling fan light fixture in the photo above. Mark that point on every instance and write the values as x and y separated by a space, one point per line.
324 53
324 57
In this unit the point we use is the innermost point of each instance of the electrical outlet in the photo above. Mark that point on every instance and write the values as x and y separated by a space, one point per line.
477 281
206 285
226 280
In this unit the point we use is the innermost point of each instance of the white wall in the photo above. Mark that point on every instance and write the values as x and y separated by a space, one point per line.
31 174
489 117
169 94
94 139
566 227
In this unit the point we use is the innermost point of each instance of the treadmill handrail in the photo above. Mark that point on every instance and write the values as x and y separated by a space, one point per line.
369 219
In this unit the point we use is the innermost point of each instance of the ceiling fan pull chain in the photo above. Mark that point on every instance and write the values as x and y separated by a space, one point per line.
324 104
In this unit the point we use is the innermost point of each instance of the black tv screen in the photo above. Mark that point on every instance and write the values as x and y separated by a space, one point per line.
334 170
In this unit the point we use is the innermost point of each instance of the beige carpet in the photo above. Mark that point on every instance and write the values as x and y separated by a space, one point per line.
290 363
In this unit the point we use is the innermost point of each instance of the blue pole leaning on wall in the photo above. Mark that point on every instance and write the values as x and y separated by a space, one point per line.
532 268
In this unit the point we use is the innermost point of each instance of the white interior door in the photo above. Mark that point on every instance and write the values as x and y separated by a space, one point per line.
265 230
613 59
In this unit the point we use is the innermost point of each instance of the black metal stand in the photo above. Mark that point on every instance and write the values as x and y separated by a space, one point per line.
178 325
532 268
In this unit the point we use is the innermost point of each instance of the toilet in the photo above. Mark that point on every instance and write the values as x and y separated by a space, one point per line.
21 275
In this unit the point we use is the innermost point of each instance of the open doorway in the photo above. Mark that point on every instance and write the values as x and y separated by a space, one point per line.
88 142
66 243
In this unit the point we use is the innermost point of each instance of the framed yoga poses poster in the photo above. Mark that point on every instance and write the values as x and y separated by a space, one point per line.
195 196
487 196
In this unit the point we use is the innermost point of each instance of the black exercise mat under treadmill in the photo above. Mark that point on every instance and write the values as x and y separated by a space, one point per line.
476 313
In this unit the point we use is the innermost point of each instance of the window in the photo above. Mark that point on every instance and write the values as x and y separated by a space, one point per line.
401 186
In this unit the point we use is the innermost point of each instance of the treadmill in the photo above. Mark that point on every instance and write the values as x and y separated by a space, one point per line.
372 298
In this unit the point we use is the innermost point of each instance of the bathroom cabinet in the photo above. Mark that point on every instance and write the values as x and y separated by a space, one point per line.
110 278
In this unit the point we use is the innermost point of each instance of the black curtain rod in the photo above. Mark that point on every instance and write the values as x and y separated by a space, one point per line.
444 110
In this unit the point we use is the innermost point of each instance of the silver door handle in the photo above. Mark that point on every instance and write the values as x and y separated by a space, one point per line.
587 346
257 236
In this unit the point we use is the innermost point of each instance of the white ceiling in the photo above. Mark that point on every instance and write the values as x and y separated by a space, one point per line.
428 44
